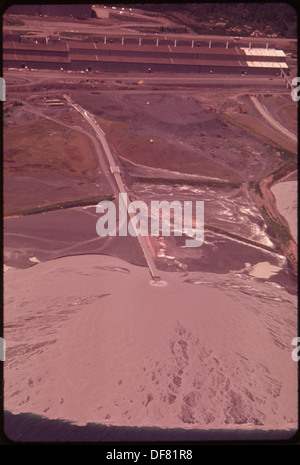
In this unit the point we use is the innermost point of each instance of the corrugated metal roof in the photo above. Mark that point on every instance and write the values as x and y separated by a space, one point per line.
242 63
145 60
39 47
43 58
267 52
235 57
266 64
166 49
79 46
83 57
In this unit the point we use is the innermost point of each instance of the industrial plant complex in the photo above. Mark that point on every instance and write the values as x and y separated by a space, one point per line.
126 54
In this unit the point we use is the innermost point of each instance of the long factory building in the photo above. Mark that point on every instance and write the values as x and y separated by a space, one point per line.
123 56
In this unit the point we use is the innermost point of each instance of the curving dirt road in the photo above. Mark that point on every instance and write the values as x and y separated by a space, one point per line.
269 118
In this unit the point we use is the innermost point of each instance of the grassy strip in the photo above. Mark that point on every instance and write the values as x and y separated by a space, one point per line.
277 229
9 108
61 205
283 170
280 231
160 29
265 133
240 238
126 88
75 34
192 182
280 172
13 22
256 186
22 32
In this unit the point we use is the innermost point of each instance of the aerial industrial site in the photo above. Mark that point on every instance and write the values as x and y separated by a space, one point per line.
136 113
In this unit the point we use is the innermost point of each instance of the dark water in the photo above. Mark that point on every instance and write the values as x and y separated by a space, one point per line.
26 427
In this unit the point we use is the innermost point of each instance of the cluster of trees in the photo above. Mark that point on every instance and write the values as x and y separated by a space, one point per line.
280 17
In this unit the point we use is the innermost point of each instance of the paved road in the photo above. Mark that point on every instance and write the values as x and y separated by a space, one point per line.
210 80
269 118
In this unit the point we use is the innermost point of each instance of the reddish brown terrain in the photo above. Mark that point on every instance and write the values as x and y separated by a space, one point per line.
91 338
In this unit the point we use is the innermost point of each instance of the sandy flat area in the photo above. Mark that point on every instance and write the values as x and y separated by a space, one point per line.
89 340
264 270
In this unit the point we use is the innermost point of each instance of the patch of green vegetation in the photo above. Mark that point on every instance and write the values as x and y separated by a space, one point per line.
8 112
283 170
238 124
278 173
280 231
75 34
161 29
26 33
174 30
126 88
288 155
285 154
252 128
192 182
150 30
12 22
45 147
204 17
256 186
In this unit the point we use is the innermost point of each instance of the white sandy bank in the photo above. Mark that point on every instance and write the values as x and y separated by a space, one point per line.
286 200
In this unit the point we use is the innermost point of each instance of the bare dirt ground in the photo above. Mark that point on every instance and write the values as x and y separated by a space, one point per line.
246 117
174 146
47 163
188 135
62 151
